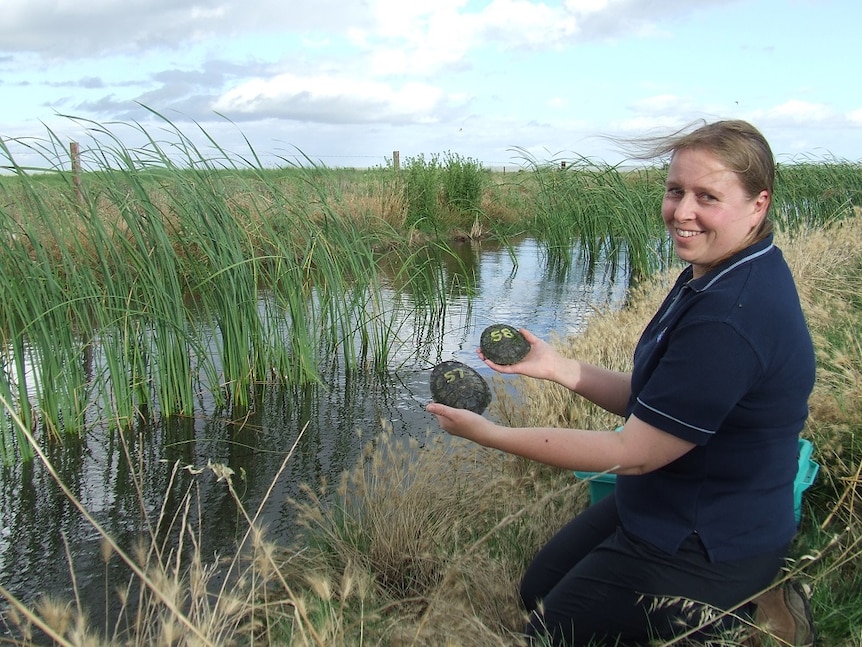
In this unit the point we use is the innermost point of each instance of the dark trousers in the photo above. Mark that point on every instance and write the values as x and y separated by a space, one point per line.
593 581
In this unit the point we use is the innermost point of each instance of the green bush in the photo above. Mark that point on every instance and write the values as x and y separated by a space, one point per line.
443 193
464 181
423 188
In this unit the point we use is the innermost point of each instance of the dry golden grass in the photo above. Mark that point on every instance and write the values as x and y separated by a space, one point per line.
437 534
828 270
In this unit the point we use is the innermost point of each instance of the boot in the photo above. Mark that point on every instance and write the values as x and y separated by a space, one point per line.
784 614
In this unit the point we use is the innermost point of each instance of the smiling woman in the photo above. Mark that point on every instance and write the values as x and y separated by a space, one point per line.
703 514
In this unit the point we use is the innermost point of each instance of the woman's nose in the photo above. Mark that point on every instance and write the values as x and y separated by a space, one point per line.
685 208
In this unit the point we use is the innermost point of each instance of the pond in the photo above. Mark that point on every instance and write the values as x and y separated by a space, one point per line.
126 480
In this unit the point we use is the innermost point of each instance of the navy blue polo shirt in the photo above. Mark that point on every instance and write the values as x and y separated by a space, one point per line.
726 363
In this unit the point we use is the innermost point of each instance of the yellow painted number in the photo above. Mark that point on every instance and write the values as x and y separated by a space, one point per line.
503 333
453 375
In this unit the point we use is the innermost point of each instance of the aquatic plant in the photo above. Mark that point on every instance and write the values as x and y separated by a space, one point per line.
167 275
601 212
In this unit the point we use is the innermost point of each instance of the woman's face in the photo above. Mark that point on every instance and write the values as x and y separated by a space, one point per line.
706 209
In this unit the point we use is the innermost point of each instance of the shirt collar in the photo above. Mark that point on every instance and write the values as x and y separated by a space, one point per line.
742 257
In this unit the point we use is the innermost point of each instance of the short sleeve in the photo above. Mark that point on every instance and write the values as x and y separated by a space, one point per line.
706 369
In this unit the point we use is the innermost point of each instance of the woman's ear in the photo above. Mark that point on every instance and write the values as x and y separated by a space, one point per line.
760 207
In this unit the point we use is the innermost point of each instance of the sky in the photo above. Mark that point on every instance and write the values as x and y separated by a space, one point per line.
348 82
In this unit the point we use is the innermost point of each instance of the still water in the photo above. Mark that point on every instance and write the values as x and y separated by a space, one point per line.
124 481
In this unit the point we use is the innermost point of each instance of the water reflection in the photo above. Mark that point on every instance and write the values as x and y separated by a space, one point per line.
128 481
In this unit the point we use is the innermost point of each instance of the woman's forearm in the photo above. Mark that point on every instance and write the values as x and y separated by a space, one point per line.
608 389
636 449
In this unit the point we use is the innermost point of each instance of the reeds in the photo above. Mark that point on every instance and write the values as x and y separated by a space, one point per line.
591 211
182 277
810 193
601 213
444 194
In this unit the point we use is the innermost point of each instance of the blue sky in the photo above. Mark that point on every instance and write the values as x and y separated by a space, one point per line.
346 82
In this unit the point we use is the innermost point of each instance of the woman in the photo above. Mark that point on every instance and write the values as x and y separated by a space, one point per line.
703 509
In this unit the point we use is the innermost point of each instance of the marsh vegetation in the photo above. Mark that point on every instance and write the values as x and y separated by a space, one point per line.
180 284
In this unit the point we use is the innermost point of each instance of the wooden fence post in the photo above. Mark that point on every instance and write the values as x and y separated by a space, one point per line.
75 153
396 160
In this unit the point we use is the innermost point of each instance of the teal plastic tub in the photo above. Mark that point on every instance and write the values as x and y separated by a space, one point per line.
602 485
805 476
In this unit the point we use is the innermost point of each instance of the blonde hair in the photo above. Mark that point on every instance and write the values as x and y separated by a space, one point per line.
739 146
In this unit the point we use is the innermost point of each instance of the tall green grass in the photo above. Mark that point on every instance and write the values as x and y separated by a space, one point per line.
591 210
811 193
601 212
182 276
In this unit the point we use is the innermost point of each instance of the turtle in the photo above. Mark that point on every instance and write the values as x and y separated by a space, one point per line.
503 344
457 385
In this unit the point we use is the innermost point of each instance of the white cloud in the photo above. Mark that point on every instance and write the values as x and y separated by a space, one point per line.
420 36
331 99
586 6
797 111
519 23
91 28
487 66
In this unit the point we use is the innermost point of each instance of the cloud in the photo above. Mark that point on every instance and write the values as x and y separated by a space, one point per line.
360 79
428 30
609 19
529 24
87 82
426 37
325 66
64 28
332 99
797 112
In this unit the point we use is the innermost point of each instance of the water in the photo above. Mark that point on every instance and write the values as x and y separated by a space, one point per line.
40 527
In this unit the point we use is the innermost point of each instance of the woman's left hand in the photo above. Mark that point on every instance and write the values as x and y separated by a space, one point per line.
463 423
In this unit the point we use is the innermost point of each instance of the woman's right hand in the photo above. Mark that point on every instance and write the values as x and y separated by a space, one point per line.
541 362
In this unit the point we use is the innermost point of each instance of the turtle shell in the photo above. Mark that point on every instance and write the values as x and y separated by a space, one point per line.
503 344
457 385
